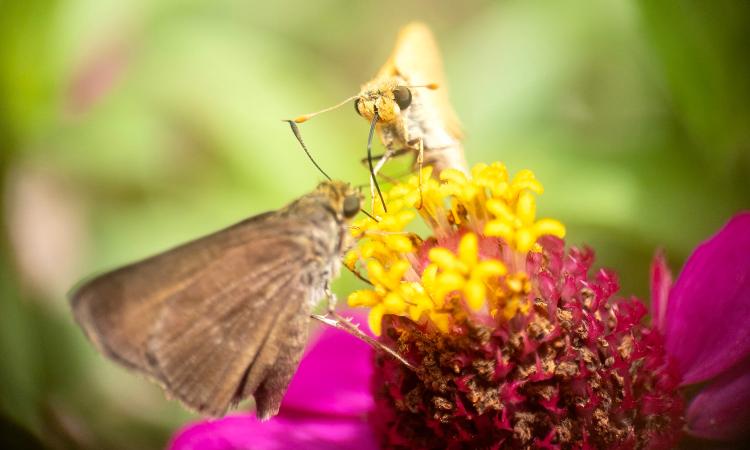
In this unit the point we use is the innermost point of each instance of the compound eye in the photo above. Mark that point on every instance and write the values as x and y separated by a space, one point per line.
402 96
351 206
356 105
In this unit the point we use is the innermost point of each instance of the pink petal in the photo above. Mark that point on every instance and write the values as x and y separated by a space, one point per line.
281 432
334 375
709 305
661 283
720 411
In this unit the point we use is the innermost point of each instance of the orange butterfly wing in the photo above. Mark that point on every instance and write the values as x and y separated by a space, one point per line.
416 58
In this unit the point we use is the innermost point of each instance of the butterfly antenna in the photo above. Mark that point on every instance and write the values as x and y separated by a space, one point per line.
430 86
298 135
307 117
356 273
370 215
373 178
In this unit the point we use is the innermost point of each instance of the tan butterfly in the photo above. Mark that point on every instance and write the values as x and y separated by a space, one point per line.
407 104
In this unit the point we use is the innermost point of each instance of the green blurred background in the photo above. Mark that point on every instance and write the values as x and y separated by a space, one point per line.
127 127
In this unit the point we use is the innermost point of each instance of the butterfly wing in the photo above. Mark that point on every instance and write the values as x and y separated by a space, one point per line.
207 319
416 58
216 341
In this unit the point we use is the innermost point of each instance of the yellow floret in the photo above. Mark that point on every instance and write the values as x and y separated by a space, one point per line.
514 221
452 285
464 272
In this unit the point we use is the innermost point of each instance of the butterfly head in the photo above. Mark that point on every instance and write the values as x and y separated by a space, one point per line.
343 199
386 97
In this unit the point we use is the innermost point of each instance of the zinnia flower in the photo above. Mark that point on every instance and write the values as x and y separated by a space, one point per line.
517 343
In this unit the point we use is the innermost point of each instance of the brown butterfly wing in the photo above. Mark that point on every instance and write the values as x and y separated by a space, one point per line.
271 390
416 57
196 318
116 309
216 341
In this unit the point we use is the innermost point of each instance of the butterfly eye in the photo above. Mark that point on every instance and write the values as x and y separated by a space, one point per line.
356 105
402 96
351 206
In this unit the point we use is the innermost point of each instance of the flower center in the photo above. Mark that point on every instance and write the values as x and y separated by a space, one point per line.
577 369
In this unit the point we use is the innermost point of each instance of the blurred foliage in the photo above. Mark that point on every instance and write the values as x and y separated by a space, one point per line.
127 127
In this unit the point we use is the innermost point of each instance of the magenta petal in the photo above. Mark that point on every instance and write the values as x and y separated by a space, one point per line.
661 283
709 305
334 375
280 433
720 411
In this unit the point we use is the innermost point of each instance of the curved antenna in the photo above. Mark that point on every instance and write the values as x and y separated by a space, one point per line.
297 134
369 215
373 178
306 117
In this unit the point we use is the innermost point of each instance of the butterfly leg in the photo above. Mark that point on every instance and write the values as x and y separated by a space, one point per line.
346 324
387 155
420 162
381 162
384 157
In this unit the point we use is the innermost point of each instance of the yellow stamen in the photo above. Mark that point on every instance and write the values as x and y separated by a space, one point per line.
454 284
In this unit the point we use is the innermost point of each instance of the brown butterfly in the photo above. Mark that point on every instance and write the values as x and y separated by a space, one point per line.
225 316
